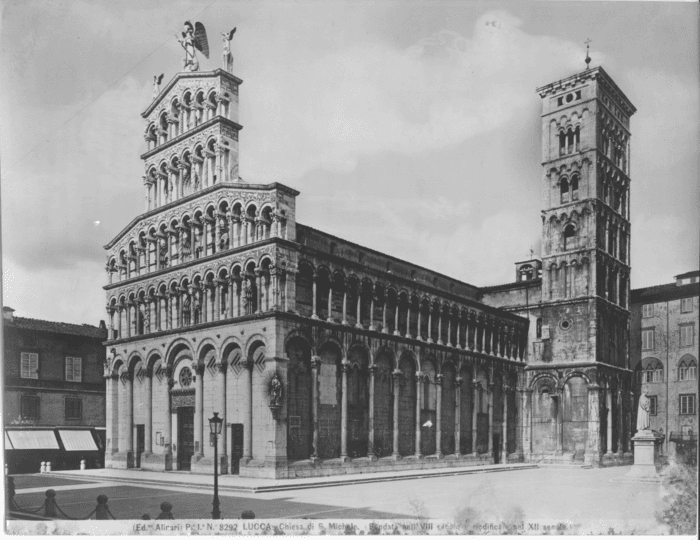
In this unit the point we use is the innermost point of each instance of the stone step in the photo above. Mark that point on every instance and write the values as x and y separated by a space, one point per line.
172 480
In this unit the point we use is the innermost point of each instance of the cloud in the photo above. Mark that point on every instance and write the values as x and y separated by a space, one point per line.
328 111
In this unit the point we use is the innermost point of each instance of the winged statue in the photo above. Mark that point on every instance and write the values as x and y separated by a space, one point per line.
157 79
194 38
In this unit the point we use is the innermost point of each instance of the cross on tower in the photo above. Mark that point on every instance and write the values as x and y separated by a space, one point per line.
588 58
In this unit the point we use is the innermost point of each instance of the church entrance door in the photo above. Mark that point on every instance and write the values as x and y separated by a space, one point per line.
140 443
185 437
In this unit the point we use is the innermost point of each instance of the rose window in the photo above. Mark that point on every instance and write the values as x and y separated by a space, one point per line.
185 377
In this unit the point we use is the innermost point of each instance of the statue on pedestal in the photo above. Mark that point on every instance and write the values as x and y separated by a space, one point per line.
643 413
194 38
157 79
227 57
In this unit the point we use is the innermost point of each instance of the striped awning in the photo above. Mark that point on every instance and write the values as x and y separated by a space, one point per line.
8 443
32 439
77 440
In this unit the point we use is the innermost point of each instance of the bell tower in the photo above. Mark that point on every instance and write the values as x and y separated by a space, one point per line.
585 251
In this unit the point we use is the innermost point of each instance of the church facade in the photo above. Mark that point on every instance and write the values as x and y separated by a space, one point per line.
326 357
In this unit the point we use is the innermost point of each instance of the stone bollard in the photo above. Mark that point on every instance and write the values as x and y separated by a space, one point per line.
82 464
50 503
48 466
43 467
165 508
247 514
101 510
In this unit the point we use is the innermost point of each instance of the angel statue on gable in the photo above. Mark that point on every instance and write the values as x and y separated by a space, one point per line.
194 38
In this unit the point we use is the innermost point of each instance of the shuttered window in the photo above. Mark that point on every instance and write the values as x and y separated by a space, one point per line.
29 368
74 369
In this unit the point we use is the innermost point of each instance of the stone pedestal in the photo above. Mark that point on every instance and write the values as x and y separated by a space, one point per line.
644 468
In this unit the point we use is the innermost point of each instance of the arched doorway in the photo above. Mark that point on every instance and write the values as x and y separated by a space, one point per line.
358 402
407 405
383 406
329 396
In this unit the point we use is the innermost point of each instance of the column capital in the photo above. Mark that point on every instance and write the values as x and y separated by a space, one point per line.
396 373
439 379
315 362
372 369
199 369
418 376
458 381
247 364
222 367
345 366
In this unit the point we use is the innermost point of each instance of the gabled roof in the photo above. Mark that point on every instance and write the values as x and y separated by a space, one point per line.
38 325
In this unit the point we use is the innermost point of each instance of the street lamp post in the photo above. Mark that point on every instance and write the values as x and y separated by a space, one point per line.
215 426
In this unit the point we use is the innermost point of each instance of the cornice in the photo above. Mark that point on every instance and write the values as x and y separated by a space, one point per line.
211 189
202 260
191 133
189 75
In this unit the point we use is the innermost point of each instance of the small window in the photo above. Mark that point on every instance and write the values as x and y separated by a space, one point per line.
29 407
686 305
560 101
29 365
574 187
569 235
74 409
74 369
652 405
564 188
687 403
687 335
578 94
539 328
647 311
654 373
648 339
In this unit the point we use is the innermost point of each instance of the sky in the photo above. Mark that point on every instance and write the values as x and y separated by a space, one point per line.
410 127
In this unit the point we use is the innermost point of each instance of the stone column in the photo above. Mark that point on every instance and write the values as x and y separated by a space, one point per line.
358 322
199 414
345 306
384 315
438 416
396 318
128 318
504 455
449 331
458 343
439 336
592 456
524 444
221 405
345 367
419 400
397 390
330 302
490 438
475 411
315 367
609 406
430 324
148 428
370 441
620 423
560 423
408 320
458 414
112 390
258 284
247 410
314 288
168 450
418 335
119 321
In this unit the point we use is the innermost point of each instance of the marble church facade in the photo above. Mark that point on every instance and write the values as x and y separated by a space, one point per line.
326 357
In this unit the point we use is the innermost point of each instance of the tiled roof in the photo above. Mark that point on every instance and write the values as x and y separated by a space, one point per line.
667 291
38 325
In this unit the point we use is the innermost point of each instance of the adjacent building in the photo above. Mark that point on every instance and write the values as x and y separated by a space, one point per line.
323 356
664 357
54 395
